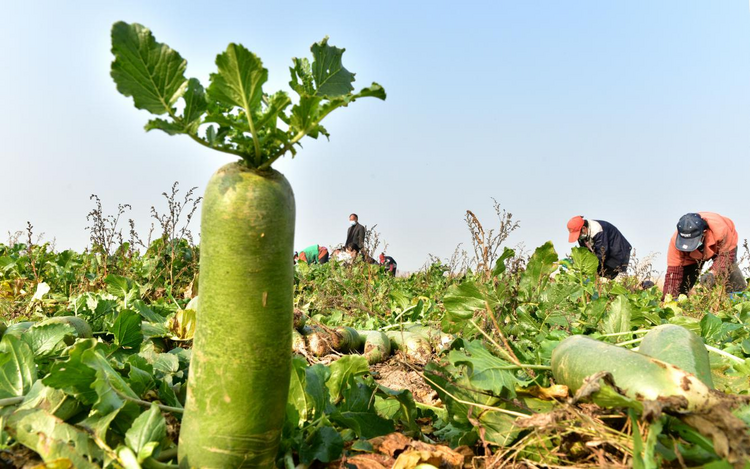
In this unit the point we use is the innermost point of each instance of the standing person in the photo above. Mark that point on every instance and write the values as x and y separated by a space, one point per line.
355 236
604 240
701 237
314 254
388 263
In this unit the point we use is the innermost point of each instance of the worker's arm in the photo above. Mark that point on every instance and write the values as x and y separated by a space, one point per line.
680 271
723 261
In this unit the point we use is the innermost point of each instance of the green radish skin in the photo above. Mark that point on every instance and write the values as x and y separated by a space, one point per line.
82 328
241 359
377 346
639 376
676 345
342 339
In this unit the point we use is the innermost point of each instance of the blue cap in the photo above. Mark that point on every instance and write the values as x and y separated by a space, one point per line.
690 230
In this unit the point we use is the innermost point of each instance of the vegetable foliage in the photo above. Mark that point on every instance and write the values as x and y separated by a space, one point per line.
233 114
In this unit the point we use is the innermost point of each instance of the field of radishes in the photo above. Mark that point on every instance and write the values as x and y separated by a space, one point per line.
96 349
163 353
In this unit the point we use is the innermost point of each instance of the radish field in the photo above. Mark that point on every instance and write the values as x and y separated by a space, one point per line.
433 369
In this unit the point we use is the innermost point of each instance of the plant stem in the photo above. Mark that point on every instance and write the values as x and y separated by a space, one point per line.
724 354
630 342
165 408
505 353
8 401
288 460
461 401
167 454
617 334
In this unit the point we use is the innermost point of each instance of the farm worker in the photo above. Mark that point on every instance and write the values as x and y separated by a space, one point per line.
388 263
355 236
314 254
605 241
701 237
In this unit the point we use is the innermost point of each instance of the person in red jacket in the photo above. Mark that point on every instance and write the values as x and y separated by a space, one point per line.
701 237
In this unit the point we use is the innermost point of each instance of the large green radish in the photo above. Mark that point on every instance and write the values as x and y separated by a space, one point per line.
242 350
639 376
676 345
242 346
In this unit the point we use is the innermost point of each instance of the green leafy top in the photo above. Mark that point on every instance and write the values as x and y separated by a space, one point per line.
239 117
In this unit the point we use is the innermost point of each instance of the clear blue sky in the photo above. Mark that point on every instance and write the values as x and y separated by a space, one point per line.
634 112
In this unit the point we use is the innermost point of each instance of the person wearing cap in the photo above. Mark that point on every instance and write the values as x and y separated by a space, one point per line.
605 241
701 237
314 254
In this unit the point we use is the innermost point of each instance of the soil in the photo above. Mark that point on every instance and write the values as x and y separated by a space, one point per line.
394 374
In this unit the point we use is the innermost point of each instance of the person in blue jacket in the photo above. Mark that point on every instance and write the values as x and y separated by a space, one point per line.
604 240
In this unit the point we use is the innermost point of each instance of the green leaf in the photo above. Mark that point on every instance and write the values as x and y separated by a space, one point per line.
108 385
54 439
619 316
48 339
407 407
500 263
298 397
239 80
140 381
146 433
127 330
324 445
195 105
52 400
17 368
711 328
123 288
462 301
171 128
73 376
486 371
99 424
584 261
331 78
343 369
540 266
357 411
302 78
498 427
150 72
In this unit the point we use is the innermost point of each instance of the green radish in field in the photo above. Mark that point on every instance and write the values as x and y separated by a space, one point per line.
241 359
680 347
377 346
414 345
639 376
323 340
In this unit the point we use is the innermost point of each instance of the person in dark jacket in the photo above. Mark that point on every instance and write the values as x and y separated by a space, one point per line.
388 263
604 240
355 236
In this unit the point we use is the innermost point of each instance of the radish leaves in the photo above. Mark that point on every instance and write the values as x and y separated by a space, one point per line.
233 115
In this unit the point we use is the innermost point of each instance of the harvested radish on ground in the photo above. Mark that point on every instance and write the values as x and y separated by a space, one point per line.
680 347
377 346
640 377
241 360
414 345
